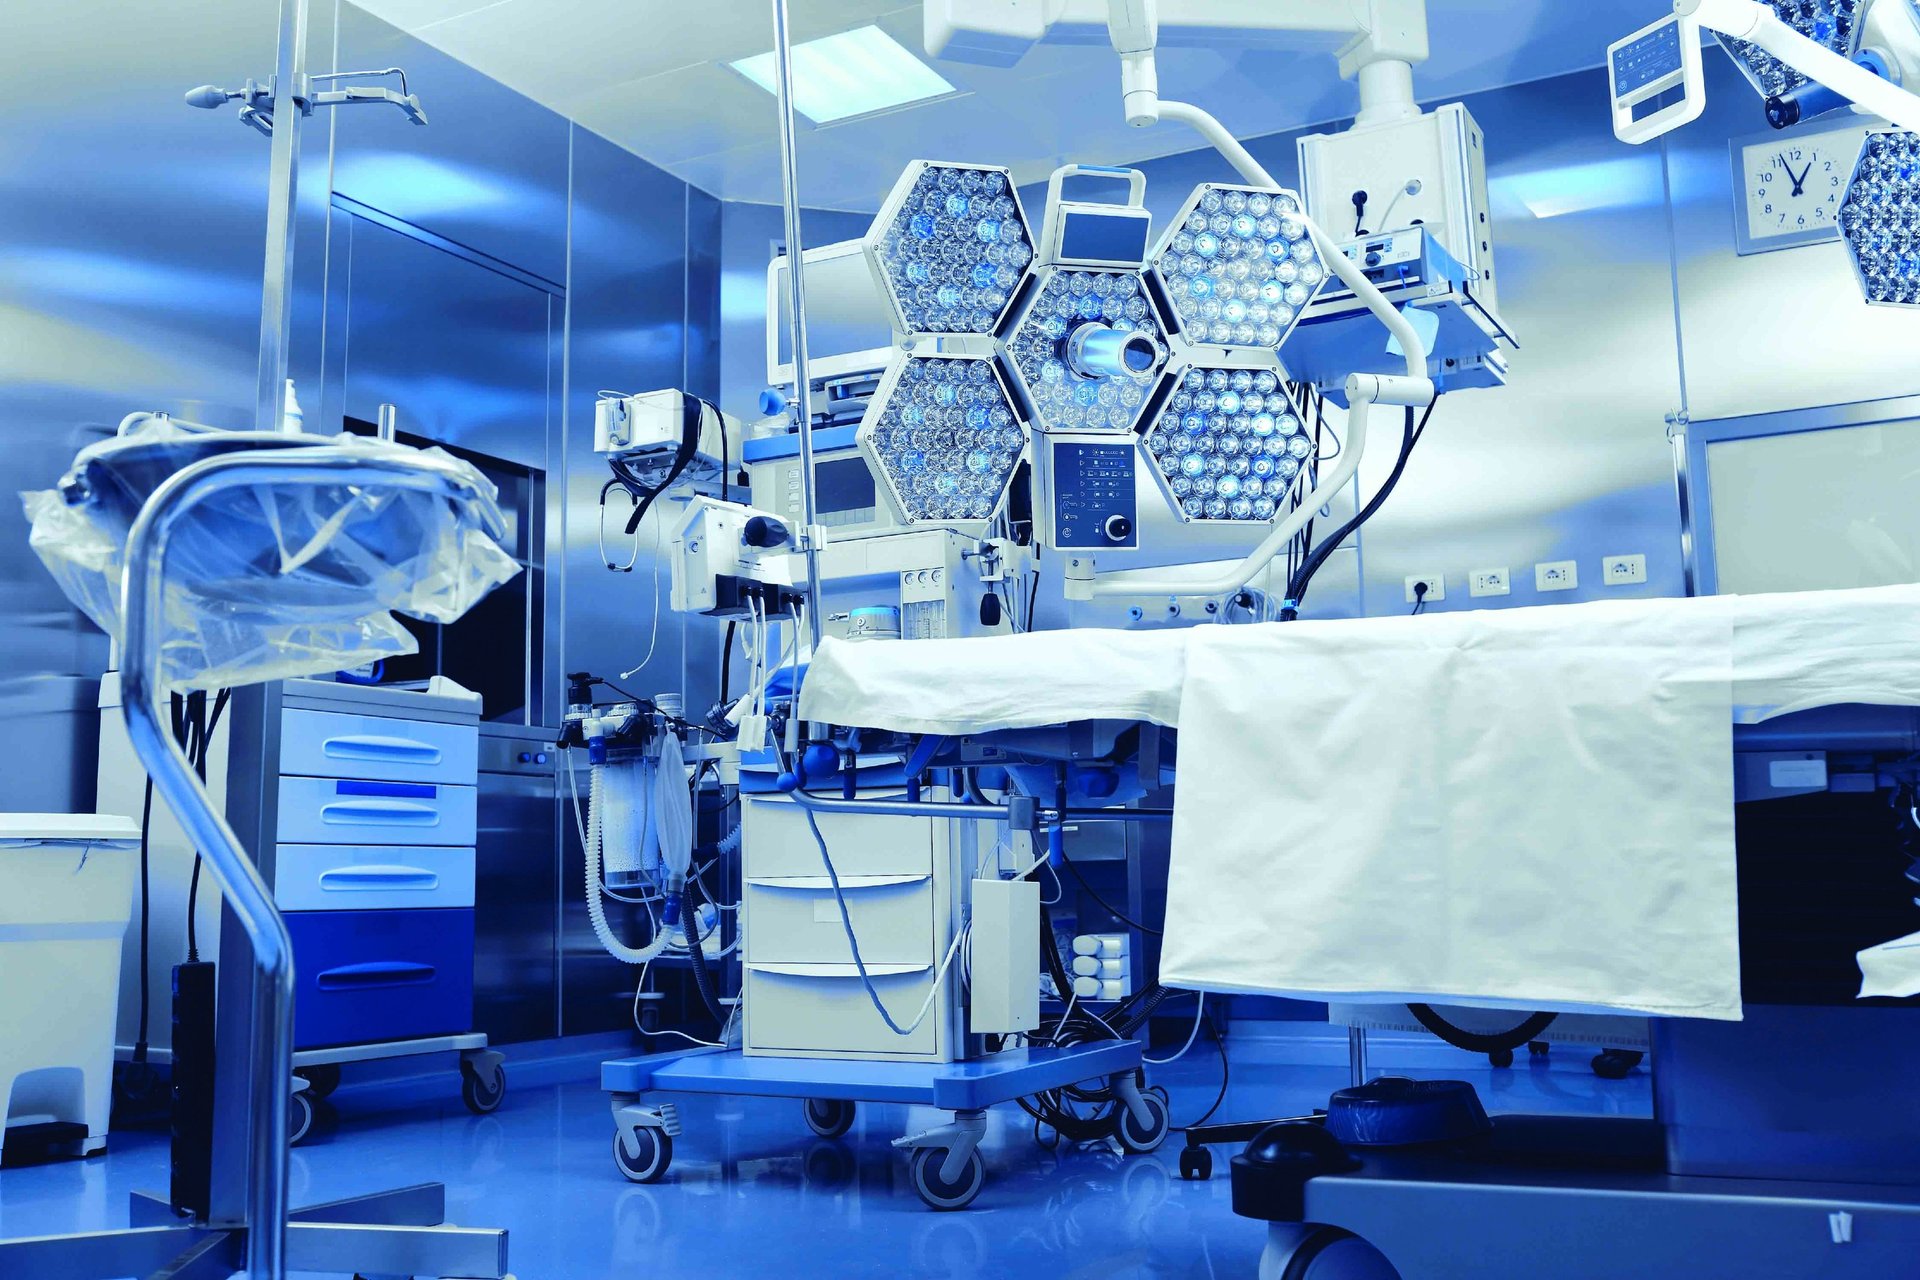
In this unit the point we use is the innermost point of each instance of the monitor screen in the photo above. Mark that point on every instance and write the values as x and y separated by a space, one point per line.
846 313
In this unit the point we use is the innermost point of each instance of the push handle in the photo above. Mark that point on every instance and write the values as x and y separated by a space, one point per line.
375 746
375 973
1136 181
376 876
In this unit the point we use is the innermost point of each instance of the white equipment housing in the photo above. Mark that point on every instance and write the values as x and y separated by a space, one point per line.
1431 170
646 431
712 555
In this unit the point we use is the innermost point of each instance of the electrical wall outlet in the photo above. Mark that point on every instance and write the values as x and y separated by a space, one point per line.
1623 571
1436 587
1556 575
1489 582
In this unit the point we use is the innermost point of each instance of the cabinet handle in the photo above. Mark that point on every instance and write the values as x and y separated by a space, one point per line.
375 877
398 813
374 746
377 973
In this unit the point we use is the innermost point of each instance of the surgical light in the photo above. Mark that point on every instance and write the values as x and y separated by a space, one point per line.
1086 350
952 246
1829 23
853 73
1238 266
1229 444
942 432
1880 218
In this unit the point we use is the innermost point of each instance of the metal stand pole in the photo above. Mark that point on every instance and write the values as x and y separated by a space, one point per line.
1357 1055
797 310
276 295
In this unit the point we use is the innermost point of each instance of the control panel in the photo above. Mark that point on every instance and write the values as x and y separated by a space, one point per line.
1090 493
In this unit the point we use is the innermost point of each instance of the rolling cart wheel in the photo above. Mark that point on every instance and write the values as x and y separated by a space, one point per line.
1501 1057
1132 1135
936 1190
1196 1164
1539 1048
322 1079
648 1161
829 1117
474 1092
299 1118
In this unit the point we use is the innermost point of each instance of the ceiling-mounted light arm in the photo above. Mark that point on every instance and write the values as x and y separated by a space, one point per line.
256 98
1758 25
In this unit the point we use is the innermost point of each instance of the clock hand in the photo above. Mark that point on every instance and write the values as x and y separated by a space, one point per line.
1800 183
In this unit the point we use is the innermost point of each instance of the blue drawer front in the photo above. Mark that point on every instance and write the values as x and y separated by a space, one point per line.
380 975
330 811
328 744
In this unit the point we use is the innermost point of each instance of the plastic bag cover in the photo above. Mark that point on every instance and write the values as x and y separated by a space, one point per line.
267 582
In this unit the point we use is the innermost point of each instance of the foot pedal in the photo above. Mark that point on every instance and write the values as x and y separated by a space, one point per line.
670 1119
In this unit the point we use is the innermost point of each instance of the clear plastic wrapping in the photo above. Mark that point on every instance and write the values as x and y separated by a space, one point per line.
268 582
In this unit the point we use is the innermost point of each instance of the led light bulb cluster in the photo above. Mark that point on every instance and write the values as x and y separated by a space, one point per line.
952 245
1880 217
1239 266
1229 444
1051 348
943 433
1829 23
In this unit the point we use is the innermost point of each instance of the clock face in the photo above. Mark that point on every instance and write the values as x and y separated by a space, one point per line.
1797 184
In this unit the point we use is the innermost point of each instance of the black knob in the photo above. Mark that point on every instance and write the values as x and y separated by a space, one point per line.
1117 528
1373 259
764 531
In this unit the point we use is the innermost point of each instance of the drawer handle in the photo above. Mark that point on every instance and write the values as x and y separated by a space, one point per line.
821 884
834 969
374 746
378 973
375 877
396 813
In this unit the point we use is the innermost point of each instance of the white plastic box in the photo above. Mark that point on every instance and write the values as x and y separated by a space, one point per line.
66 896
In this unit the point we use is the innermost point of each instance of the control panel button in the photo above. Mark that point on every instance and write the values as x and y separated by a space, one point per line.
1117 528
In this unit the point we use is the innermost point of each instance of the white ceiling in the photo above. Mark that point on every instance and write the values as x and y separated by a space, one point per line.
651 75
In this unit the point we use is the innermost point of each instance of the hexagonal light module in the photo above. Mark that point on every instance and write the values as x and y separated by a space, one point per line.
951 245
1238 266
1880 218
1086 349
1229 444
942 432
1830 23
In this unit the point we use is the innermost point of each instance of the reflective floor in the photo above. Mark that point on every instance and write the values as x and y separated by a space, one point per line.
752 1192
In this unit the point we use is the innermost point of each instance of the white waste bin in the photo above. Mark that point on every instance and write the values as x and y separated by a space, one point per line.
66 896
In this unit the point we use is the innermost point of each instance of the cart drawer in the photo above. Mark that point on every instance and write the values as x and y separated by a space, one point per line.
779 842
331 744
329 811
797 920
825 1010
365 976
335 877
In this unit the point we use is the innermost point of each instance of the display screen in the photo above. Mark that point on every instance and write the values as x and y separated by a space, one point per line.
1645 61
843 487
1101 237
846 313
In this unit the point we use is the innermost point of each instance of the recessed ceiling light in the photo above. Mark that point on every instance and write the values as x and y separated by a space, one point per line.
853 73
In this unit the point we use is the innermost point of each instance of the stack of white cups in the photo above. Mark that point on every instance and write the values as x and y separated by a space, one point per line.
1100 968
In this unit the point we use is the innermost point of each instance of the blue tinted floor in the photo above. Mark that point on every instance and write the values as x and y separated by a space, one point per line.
752 1192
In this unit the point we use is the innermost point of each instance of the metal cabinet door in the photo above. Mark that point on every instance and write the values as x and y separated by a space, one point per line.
516 953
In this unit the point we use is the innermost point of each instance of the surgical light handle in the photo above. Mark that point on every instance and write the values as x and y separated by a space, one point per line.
1363 391
1760 26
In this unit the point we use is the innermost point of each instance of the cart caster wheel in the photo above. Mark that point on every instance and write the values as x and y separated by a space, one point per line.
299 1118
321 1079
1539 1048
936 1190
829 1117
1136 1138
480 1099
1501 1058
652 1153
1196 1164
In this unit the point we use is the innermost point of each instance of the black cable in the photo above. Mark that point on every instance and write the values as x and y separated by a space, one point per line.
726 665
1105 906
726 451
1298 584
696 952
1482 1041
1226 1075
691 415
146 916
